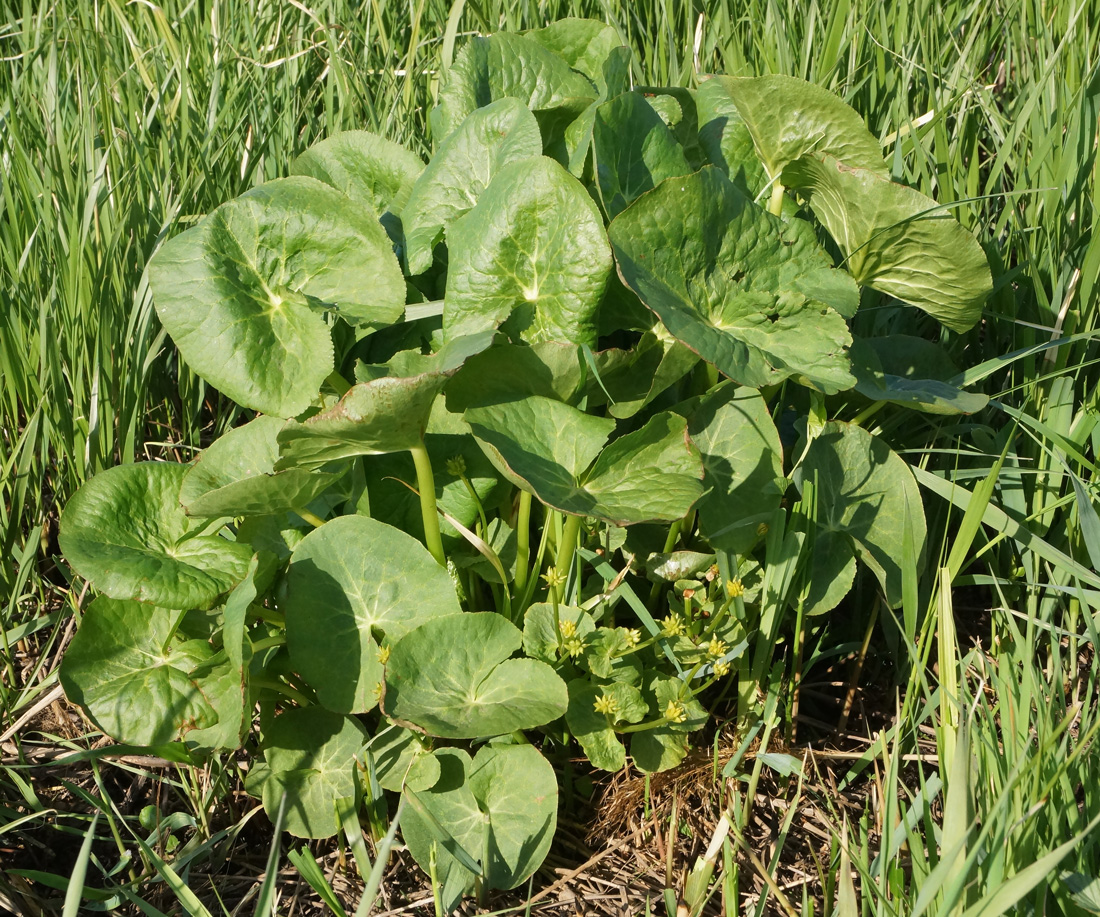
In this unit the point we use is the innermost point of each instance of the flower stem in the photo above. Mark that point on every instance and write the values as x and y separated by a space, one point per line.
523 541
566 550
425 481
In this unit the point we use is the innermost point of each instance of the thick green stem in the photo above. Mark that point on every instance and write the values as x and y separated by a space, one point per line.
312 518
523 541
425 481
775 203
566 550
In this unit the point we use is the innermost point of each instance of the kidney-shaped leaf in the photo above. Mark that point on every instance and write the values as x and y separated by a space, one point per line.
866 499
386 414
788 118
349 582
500 807
532 254
634 151
240 292
743 462
453 678
364 166
310 754
503 65
135 681
235 476
897 240
747 292
125 532
461 169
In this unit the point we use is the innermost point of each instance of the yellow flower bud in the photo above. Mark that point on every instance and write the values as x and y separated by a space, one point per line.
675 712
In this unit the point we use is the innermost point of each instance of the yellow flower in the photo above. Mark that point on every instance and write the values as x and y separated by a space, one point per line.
632 636
606 705
384 655
574 647
735 588
672 626
721 669
716 647
568 629
553 578
675 712
378 689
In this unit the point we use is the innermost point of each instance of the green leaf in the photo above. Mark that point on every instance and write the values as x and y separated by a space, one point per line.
507 65
592 730
349 582
461 169
364 166
756 297
386 414
743 466
789 118
500 807
896 240
124 667
235 476
725 139
585 45
540 639
125 532
634 151
312 755
241 293
660 749
652 474
453 677
395 751
903 384
866 498
633 378
532 254
510 372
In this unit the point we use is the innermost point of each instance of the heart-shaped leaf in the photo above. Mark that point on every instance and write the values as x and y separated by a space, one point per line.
135 679
633 378
235 476
311 754
386 414
738 286
500 807
402 757
634 151
488 69
125 532
241 293
897 240
584 44
788 118
652 474
866 497
350 581
743 462
453 678
531 255
461 169
364 166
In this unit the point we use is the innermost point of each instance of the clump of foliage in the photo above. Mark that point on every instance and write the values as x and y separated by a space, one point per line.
514 479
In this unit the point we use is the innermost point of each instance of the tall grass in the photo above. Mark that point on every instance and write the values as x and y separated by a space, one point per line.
121 123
